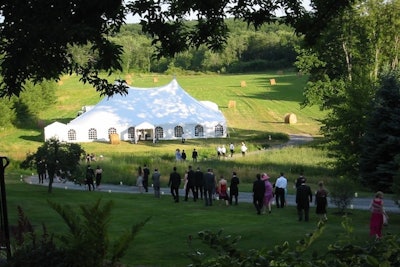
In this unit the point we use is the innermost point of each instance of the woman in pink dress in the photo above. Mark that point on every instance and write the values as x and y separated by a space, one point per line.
269 193
377 213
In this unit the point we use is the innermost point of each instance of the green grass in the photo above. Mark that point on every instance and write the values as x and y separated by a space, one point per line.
164 239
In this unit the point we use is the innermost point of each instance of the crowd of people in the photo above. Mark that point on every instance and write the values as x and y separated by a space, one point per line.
206 186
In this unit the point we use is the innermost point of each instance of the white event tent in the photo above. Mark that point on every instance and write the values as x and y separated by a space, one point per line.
161 113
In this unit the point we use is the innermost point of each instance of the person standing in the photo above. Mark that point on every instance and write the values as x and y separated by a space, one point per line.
139 179
268 193
300 179
258 193
234 189
174 183
219 152
183 155
178 155
194 155
41 170
146 174
321 201
209 186
90 178
280 191
198 181
190 186
223 151
156 177
232 149
99 173
223 190
243 149
377 213
303 199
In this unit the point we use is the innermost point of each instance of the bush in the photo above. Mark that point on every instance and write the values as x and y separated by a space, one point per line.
341 253
342 193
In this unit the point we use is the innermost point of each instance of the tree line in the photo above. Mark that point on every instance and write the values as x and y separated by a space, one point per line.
246 50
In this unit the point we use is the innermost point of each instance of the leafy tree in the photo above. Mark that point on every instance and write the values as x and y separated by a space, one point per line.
61 159
8 114
36 36
381 142
344 64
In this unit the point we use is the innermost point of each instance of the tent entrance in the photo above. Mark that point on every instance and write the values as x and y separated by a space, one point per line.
144 132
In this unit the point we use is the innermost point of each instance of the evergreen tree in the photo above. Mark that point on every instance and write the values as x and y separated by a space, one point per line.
381 142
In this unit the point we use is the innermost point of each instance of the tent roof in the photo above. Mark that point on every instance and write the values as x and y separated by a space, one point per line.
145 125
168 104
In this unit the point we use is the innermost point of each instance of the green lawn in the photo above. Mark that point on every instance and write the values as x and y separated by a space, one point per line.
164 239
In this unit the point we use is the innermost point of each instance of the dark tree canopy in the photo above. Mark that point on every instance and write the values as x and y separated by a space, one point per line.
381 142
36 35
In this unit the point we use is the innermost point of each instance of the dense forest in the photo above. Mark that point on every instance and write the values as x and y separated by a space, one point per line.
247 50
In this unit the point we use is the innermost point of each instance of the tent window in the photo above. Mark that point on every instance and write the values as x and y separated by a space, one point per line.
178 131
71 134
219 130
112 130
131 132
159 132
199 130
92 134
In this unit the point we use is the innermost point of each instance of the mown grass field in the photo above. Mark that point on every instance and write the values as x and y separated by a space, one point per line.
260 110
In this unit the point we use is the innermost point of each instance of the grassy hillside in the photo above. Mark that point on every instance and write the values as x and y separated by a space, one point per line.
259 112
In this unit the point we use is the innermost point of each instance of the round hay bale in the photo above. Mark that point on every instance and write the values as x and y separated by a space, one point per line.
243 84
291 118
114 139
272 82
232 104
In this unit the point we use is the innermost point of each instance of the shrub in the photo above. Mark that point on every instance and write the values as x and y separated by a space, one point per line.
342 193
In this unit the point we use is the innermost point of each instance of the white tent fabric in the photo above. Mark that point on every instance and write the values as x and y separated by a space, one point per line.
161 113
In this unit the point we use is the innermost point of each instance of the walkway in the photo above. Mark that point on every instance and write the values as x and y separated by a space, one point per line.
357 203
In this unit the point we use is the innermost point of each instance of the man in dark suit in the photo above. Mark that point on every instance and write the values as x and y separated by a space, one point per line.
190 186
146 174
303 199
258 193
234 189
209 186
174 183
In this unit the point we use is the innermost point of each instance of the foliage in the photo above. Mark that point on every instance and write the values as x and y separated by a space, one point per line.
341 193
24 111
344 65
36 37
29 249
381 142
341 253
210 28
87 243
62 159
229 255
33 48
